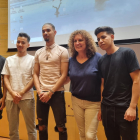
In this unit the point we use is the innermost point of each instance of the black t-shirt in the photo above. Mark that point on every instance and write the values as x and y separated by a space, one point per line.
2 61
116 69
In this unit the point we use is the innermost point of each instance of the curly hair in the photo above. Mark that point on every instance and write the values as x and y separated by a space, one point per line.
90 43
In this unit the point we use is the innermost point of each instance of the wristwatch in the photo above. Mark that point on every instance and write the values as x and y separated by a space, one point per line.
51 91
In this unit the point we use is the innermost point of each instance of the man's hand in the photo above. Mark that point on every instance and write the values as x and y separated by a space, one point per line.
2 103
99 115
21 93
130 114
45 96
16 97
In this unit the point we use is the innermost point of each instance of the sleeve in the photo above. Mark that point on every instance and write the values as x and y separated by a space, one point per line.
36 58
3 61
99 56
69 68
131 61
99 68
65 56
33 63
5 70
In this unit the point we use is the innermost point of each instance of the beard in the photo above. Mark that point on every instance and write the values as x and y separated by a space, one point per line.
47 39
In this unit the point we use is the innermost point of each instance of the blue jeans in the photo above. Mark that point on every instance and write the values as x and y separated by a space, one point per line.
116 127
57 103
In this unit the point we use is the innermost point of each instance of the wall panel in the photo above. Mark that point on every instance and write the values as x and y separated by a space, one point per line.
3 31
3 15
3 3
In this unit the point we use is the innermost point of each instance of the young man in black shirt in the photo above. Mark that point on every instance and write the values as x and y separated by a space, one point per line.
120 73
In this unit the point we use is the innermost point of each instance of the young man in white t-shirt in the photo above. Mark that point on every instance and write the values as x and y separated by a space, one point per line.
18 71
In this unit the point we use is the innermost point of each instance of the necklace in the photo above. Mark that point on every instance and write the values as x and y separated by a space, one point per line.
48 53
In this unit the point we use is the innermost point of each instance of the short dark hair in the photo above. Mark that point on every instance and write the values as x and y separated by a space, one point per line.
50 25
106 29
24 35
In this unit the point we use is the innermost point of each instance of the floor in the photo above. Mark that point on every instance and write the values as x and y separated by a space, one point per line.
1 138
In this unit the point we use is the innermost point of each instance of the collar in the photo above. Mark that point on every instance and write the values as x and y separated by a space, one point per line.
50 47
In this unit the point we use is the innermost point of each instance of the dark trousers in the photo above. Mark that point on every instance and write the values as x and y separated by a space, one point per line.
0 111
0 114
0 106
115 126
57 103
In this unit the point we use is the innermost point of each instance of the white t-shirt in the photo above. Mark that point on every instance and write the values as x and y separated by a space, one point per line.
20 70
